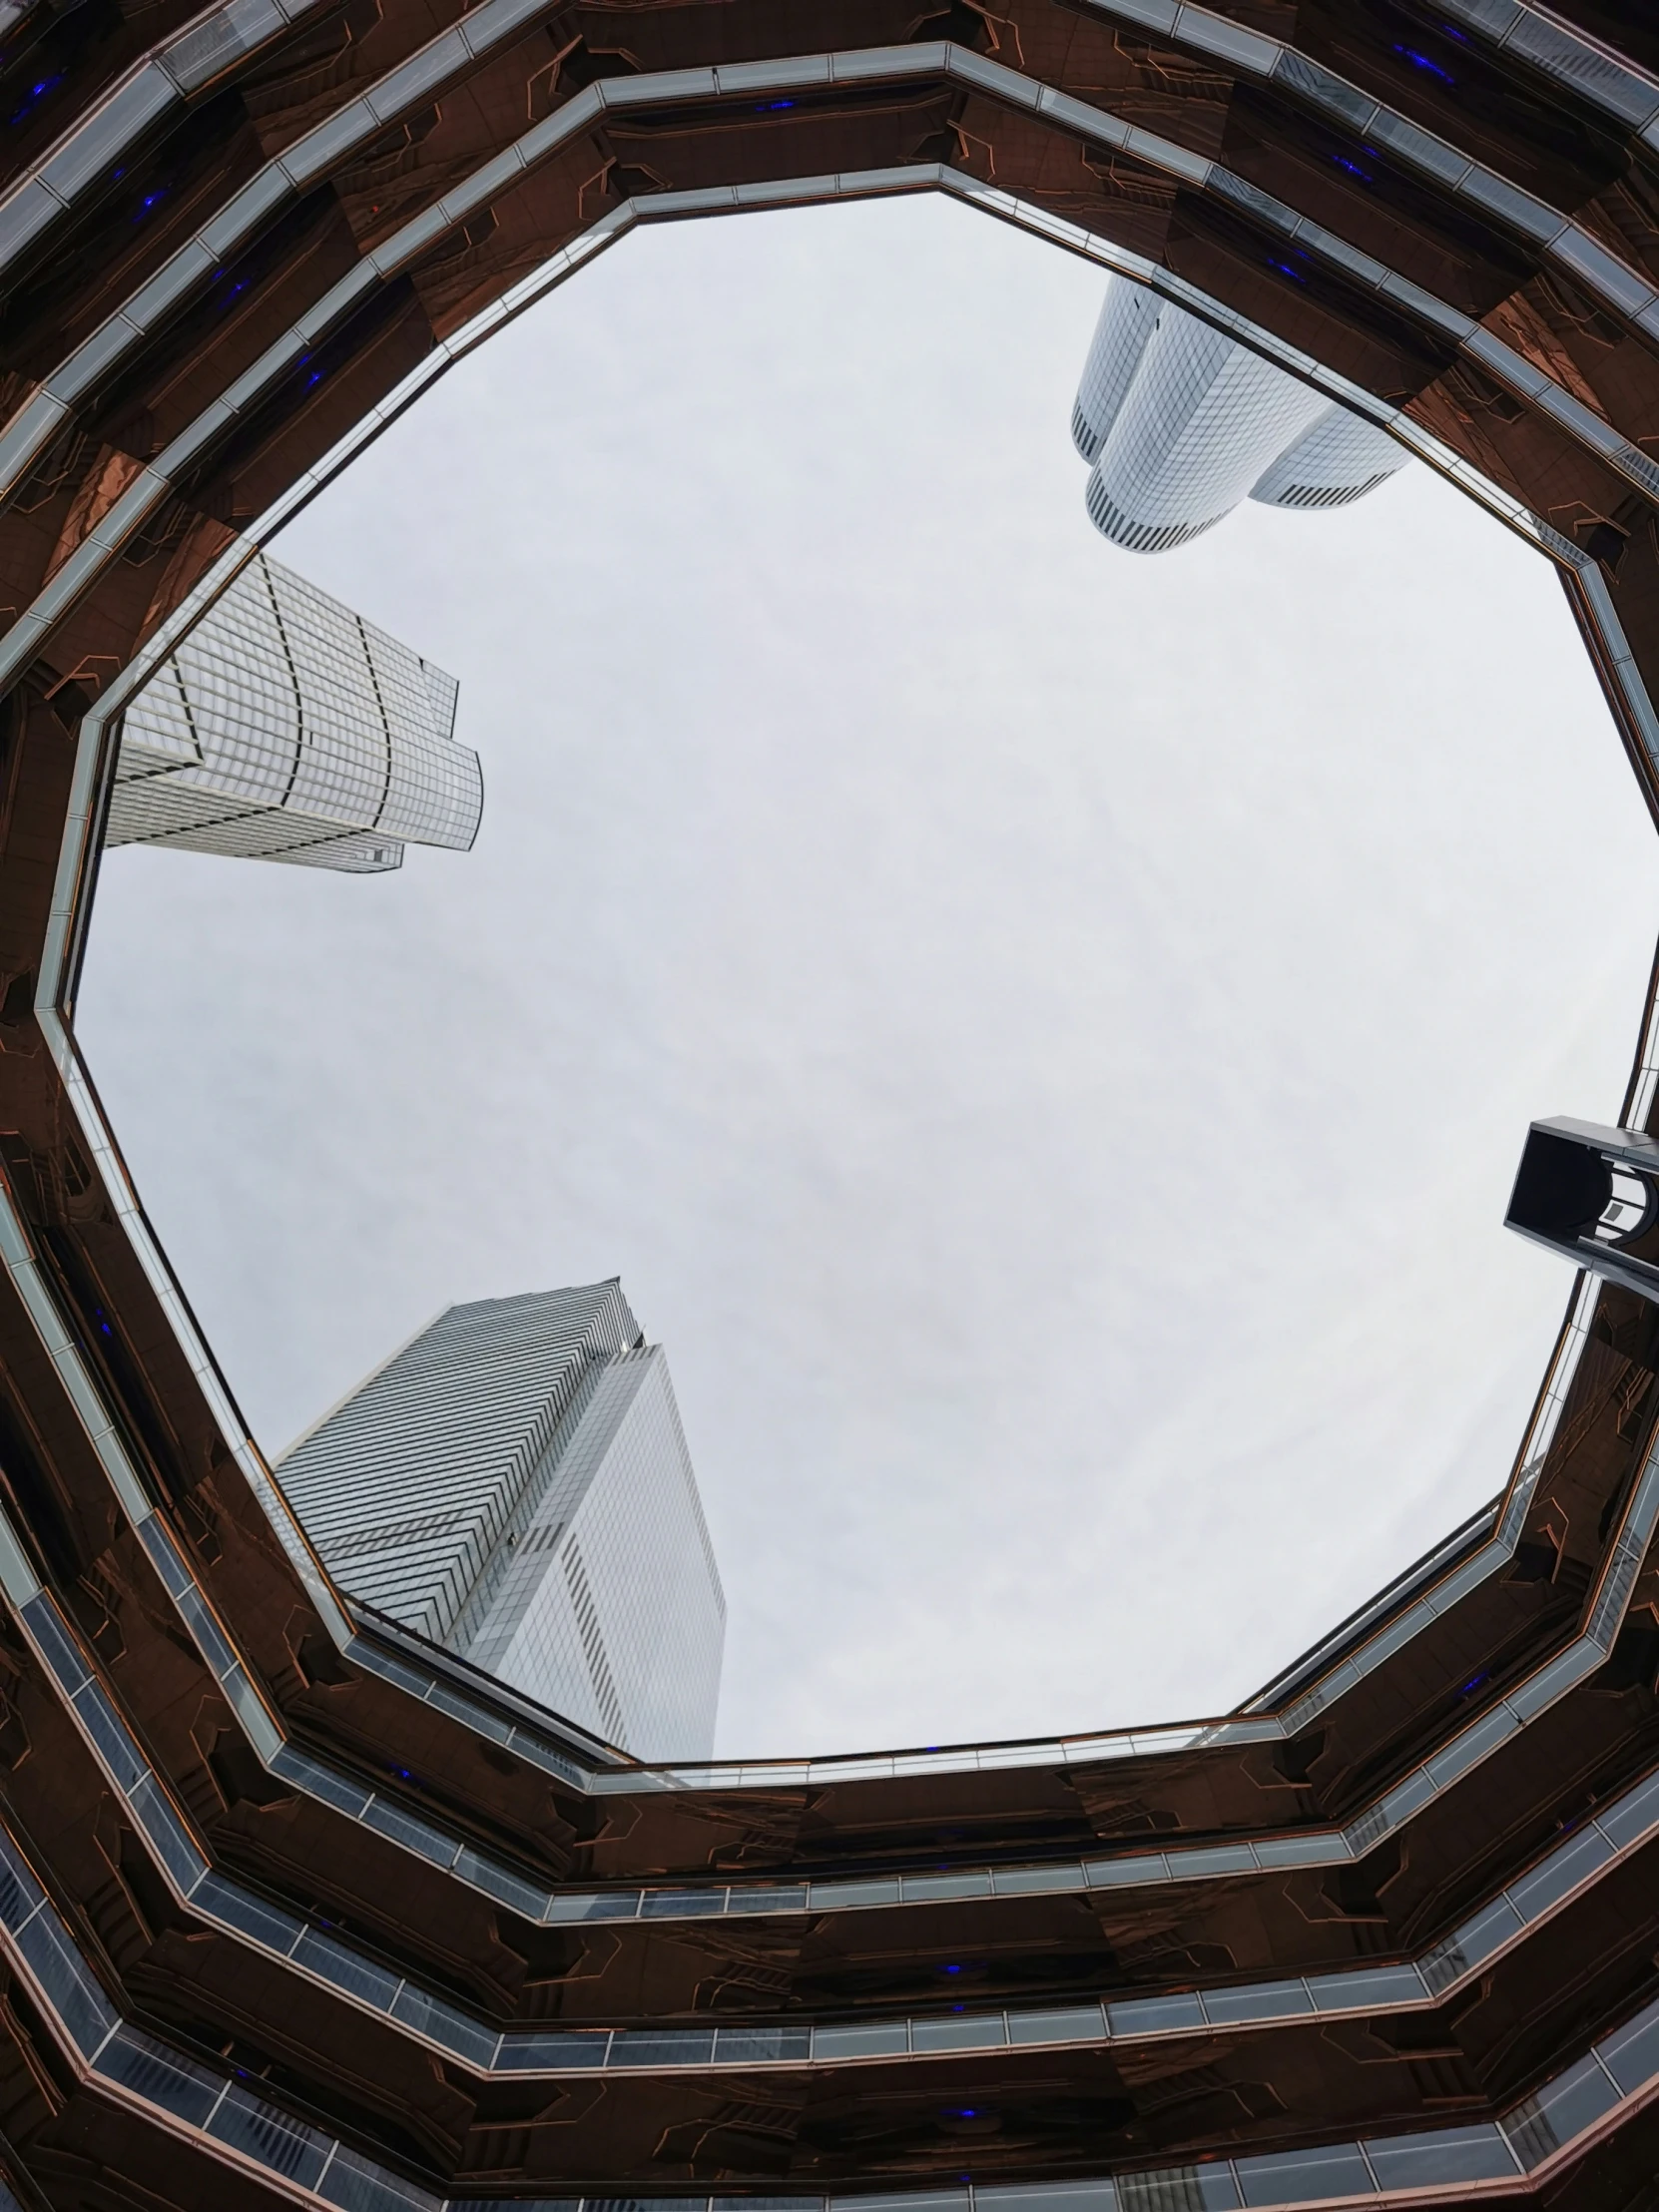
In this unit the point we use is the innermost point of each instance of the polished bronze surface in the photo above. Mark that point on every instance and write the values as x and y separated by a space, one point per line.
1523 334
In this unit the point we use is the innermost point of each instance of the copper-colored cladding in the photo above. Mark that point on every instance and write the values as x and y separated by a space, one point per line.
1005 2113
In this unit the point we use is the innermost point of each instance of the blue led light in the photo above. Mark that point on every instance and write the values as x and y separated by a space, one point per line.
771 107
1423 61
34 93
1285 268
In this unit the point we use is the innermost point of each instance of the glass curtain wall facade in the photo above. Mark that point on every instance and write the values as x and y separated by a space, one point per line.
514 1484
611 1609
1180 423
286 728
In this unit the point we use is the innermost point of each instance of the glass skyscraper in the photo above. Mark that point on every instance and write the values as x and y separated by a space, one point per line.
514 1484
286 728
1180 423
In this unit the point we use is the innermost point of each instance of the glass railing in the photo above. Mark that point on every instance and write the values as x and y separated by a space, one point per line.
442 1848
229 2118
1575 1865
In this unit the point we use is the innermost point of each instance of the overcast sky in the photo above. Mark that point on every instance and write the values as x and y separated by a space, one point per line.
1043 1034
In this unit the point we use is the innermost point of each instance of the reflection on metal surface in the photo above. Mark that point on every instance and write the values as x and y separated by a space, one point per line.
1531 2140
396 1870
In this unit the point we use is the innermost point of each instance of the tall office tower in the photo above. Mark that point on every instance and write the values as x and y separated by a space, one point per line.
514 1485
1180 424
286 728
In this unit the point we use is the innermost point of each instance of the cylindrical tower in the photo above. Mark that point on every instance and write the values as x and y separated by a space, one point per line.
1338 461
1128 317
1199 423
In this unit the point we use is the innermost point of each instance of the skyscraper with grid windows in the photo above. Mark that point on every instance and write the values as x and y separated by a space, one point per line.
286 728
514 1485
1179 423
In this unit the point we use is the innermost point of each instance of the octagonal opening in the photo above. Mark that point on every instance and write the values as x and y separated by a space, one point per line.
1039 1035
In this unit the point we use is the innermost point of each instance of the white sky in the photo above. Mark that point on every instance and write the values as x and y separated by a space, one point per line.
1043 1034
